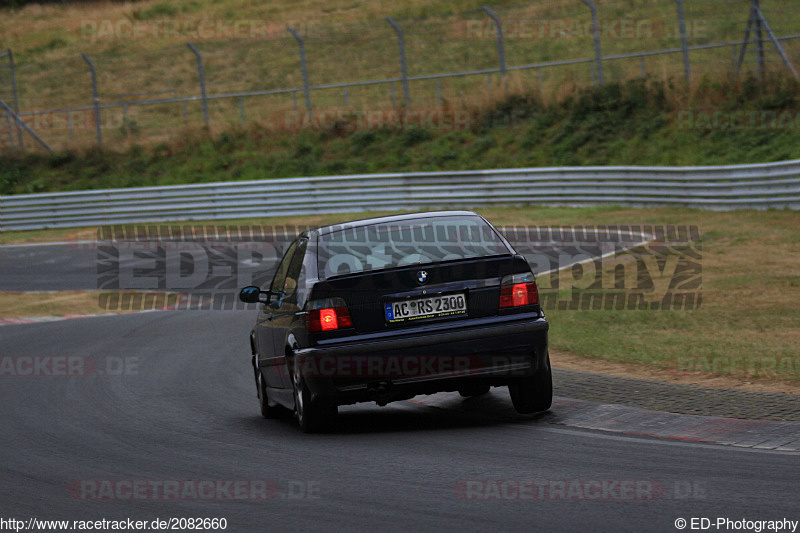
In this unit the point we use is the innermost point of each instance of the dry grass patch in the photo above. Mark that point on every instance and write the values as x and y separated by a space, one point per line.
61 303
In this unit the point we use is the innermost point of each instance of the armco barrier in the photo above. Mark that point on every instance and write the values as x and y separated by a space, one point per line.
758 186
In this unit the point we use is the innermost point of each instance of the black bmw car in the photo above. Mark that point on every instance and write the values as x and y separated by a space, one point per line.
384 309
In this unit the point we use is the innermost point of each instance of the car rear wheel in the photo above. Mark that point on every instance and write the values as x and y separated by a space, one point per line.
267 411
535 393
313 417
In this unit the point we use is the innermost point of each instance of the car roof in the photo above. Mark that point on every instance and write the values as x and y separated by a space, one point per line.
324 230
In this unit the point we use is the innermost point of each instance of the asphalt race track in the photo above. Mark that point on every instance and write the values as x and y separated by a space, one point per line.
167 399
185 409
55 267
73 265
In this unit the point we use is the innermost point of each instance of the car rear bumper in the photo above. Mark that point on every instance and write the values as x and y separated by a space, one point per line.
493 352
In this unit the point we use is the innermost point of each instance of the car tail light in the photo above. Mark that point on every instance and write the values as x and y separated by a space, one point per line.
328 315
518 290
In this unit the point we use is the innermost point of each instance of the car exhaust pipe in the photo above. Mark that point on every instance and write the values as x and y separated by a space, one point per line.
379 393
383 395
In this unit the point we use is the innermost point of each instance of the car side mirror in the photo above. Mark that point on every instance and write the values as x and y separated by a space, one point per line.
253 294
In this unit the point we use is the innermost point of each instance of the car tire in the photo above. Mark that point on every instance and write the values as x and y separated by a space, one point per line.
313 417
473 389
533 394
267 411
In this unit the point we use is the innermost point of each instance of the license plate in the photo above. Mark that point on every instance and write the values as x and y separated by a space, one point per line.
422 308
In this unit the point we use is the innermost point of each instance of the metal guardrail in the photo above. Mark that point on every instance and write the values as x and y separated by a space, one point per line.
758 186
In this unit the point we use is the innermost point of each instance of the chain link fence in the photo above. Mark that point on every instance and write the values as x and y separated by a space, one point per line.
220 74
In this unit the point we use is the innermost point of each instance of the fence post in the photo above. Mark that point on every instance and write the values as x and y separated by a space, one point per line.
96 101
759 37
776 43
598 56
684 41
14 94
745 40
22 124
303 66
401 43
185 109
501 50
202 73
10 122
126 118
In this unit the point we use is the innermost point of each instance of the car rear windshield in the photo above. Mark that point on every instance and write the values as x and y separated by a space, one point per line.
407 242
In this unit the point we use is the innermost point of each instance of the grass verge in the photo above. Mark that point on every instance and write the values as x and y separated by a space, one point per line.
641 122
345 41
56 303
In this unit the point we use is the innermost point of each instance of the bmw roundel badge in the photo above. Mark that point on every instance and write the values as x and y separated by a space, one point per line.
422 276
